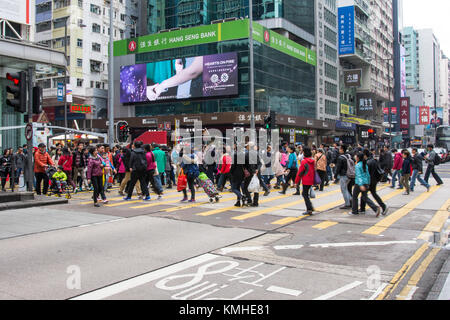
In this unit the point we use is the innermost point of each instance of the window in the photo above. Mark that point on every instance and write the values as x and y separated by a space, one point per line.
79 82
98 85
122 17
61 3
80 3
80 43
79 63
96 28
95 9
96 47
59 23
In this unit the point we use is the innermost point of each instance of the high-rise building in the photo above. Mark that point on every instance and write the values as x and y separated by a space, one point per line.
87 49
411 43
445 88
17 21
366 51
327 71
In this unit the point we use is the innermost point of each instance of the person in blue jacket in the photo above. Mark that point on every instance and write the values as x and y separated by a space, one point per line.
362 183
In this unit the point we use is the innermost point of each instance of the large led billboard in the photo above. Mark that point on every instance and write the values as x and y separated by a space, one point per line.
179 79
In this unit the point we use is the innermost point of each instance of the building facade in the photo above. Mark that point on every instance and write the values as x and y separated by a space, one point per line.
87 49
445 88
327 74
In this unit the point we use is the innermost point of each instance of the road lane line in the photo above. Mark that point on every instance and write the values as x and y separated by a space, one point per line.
437 223
403 271
339 291
159 203
406 293
125 285
360 244
384 224
324 225
281 206
286 291
222 200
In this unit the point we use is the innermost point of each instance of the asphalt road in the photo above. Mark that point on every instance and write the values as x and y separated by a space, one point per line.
164 249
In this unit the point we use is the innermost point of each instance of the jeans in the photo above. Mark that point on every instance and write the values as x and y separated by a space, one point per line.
329 174
236 188
135 176
396 175
344 181
267 179
416 175
430 171
223 179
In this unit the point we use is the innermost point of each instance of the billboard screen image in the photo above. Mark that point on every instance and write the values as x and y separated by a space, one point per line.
178 79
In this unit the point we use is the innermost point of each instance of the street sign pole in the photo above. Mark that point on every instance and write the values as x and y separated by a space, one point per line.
111 78
29 176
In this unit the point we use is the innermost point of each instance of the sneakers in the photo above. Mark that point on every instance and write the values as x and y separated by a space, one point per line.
238 204
406 193
121 193
192 201
159 197
266 193
385 211
184 200
126 199
345 207
105 201
296 194
353 214
147 198
308 213
96 205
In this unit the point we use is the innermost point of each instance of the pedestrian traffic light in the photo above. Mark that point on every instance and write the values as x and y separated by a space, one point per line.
267 121
122 131
19 90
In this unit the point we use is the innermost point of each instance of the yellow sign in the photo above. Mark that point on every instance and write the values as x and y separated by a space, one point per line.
345 109
358 121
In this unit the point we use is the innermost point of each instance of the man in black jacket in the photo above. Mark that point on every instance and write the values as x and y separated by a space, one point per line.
386 163
375 172
253 165
417 166
126 179
138 169
341 174
237 175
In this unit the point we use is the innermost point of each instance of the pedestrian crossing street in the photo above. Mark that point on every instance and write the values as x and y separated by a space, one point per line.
279 210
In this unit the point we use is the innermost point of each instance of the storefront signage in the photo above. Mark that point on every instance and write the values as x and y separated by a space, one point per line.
346 21
80 108
231 30
424 115
352 78
342 125
346 109
404 113
358 121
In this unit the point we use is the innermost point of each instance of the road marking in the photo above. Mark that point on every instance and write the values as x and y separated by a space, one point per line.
397 215
361 244
339 291
121 197
216 211
100 223
196 205
437 222
159 203
241 249
282 206
286 291
143 279
403 271
124 202
289 247
324 225
407 292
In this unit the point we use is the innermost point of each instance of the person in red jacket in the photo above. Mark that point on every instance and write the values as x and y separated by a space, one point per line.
398 163
66 162
224 169
306 176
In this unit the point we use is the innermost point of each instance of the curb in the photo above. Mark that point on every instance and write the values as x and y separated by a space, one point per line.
441 283
30 204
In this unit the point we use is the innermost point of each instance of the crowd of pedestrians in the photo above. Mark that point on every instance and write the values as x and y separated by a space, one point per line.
141 168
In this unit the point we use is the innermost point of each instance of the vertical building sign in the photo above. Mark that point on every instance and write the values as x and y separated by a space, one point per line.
404 113
424 115
403 71
346 18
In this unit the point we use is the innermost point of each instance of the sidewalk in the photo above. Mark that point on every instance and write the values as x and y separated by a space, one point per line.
441 287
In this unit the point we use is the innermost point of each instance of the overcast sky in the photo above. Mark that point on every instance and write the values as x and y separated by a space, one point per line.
434 14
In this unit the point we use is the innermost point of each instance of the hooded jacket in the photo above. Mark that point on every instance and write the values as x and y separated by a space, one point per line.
95 167
66 162
40 160
137 158
306 173
398 161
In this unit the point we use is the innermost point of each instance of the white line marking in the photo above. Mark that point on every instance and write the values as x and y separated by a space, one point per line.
377 292
339 291
143 279
411 292
360 244
291 247
287 291
239 249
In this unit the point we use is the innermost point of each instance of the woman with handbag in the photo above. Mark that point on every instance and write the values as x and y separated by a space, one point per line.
321 168
306 176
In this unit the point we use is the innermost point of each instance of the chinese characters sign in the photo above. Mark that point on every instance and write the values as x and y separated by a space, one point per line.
424 115
352 78
80 108
346 19
404 113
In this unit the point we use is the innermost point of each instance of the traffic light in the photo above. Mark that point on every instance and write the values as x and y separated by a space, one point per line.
122 131
267 121
37 100
273 120
19 90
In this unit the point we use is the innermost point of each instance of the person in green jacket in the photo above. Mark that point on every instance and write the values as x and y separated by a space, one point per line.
60 178
160 158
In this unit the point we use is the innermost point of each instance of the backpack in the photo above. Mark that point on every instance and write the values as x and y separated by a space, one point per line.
378 172
437 160
141 162
351 172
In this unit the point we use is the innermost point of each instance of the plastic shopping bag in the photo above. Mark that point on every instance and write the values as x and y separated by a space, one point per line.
182 181
254 185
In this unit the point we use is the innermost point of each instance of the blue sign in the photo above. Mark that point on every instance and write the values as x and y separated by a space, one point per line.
341 125
346 18
60 92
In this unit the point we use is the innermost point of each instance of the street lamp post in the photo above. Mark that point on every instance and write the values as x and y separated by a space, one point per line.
252 81
65 81
111 77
